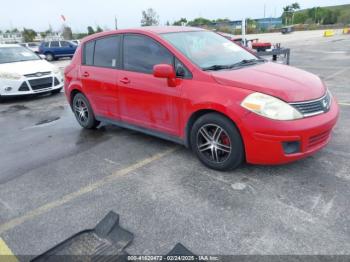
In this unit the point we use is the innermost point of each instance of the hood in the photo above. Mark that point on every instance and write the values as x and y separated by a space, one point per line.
27 67
285 82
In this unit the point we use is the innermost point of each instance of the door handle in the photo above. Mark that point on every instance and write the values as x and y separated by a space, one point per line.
86 74
125 80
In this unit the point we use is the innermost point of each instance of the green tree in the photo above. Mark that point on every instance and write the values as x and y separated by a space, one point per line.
295 6
222 20
28 35
288 13
344 18
98 29
300 18
200 21
180 22
80 35
251 25
330 16
149 18
90 30
43 34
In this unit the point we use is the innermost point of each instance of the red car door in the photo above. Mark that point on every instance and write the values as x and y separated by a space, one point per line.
145 100
99 74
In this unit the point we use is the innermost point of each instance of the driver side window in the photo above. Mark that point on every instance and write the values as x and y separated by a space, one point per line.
141 53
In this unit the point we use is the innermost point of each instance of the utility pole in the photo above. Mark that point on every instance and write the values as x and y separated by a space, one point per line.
243 32
116 23
264 10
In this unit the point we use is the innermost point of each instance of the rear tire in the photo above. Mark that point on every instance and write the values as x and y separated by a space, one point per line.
83 112
217 142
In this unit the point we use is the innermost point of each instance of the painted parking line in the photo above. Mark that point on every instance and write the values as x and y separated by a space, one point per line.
82 191
336 73
343 104
6 253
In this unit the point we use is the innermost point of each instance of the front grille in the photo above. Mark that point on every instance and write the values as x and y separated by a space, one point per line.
319 139
38 74
314 107
41 83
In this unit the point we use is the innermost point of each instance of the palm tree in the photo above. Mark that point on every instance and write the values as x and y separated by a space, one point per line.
288 11
295 6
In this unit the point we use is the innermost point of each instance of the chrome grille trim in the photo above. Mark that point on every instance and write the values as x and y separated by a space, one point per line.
314 107
38 74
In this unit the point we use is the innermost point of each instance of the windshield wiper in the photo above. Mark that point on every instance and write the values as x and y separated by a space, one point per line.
241 63
216 67
248 62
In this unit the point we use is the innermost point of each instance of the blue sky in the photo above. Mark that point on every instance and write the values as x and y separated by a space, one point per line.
39 14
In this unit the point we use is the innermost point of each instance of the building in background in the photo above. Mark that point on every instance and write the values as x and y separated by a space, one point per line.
269 23
11 38
14 38
235 24
54 36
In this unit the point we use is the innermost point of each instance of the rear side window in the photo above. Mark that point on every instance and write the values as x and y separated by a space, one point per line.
106 52
89 53
54 44
141 53
64 44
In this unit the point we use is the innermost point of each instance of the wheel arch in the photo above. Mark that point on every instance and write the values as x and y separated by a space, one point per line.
49 52
72 94
200 112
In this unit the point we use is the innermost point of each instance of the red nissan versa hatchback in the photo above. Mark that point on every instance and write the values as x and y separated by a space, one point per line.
197 88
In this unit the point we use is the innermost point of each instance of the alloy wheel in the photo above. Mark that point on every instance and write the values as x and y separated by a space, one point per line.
214 143
81 111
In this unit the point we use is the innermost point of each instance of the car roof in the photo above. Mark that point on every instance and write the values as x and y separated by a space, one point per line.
147 29
168 29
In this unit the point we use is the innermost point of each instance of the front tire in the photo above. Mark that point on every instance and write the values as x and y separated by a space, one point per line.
49 57
83 112
217 142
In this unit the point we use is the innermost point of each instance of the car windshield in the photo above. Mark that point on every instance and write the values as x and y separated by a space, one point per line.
16 54
209 50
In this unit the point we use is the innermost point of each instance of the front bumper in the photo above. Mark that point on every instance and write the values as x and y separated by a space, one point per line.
263 138
10 88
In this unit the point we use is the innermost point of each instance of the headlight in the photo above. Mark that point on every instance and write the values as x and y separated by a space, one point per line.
10 76
270 107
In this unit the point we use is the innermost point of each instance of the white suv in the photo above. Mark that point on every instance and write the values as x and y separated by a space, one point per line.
22 72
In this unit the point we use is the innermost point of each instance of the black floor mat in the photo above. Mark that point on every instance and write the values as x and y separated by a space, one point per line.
106 242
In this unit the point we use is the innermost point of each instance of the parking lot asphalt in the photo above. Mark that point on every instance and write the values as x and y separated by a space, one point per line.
57 179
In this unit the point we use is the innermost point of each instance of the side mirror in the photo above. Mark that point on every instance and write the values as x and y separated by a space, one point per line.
165 71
